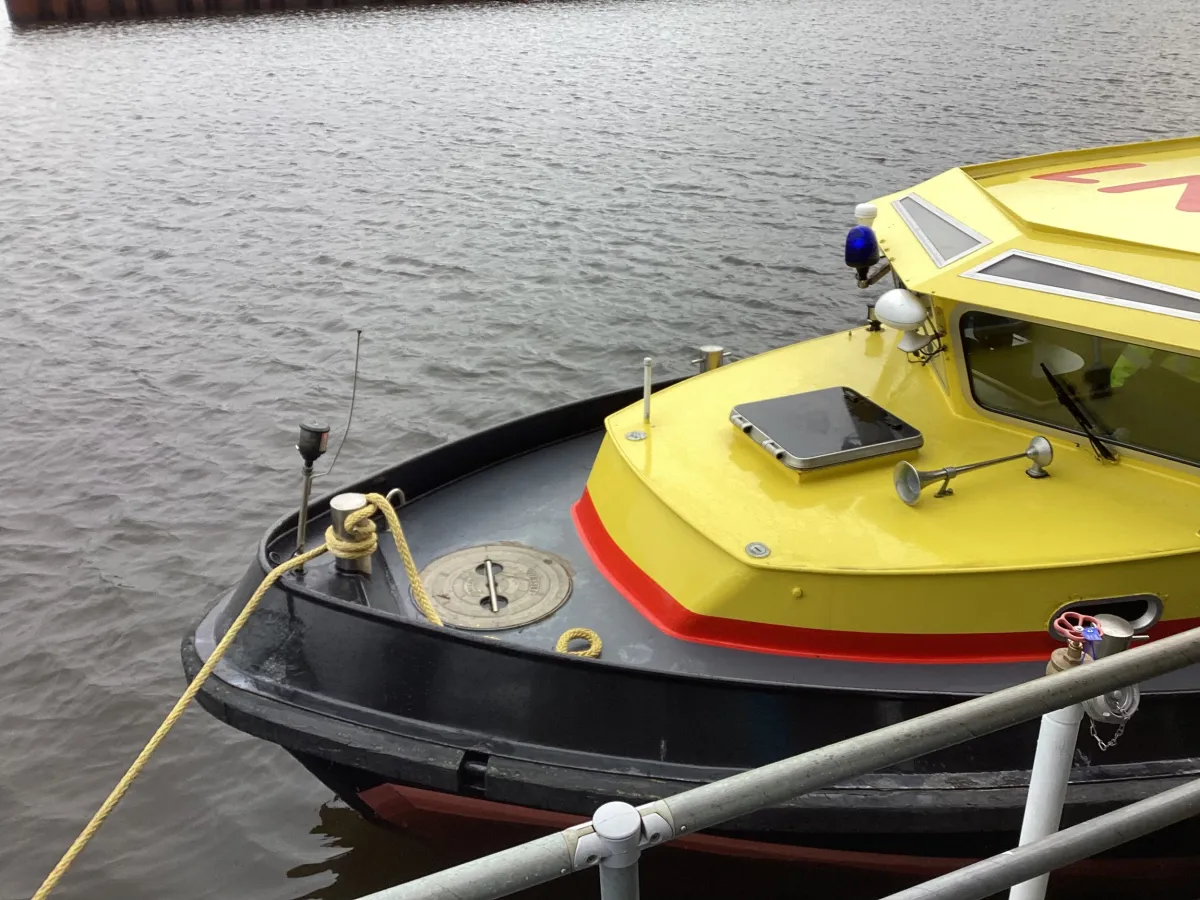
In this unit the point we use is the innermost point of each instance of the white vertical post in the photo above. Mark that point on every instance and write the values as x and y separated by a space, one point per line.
619 827
647 380
1048 788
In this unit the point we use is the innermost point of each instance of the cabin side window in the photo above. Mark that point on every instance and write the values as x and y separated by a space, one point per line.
1133 396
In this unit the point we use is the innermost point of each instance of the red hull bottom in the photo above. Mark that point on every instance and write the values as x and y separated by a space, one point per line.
434 812
416 808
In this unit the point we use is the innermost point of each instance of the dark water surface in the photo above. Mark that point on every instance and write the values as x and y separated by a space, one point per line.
516 202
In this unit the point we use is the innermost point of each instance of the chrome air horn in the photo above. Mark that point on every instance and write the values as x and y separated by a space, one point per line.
910 482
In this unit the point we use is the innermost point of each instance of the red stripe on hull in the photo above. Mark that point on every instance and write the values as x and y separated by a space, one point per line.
672 617
421 809
410 807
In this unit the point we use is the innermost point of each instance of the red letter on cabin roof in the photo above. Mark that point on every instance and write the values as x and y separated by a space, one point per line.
1072 175
1189 200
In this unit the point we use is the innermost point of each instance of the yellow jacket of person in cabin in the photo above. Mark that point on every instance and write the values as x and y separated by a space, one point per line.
1135 358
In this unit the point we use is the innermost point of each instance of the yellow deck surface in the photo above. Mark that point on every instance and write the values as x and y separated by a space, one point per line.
849 519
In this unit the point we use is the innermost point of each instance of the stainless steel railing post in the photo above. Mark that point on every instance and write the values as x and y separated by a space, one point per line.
619 827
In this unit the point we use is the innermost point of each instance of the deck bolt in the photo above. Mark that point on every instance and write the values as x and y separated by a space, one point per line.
757 550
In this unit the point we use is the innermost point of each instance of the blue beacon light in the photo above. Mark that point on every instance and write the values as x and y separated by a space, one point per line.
862 250
862 247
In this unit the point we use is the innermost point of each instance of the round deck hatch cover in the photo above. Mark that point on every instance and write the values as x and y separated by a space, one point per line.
530 585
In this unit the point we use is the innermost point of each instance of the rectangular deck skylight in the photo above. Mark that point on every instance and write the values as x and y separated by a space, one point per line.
1055 276
944 238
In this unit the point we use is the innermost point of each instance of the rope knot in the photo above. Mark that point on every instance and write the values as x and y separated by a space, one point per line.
361 538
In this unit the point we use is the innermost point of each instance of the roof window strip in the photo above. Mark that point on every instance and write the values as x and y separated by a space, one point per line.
944 238
1017 268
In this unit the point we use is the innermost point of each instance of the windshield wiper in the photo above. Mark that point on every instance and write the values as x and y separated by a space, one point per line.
1076 410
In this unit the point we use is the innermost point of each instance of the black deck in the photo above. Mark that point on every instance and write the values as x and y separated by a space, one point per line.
528 500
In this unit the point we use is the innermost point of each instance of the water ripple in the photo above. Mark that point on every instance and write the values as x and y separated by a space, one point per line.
516 202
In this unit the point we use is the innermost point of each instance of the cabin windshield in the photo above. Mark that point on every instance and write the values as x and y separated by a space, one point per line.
1134 396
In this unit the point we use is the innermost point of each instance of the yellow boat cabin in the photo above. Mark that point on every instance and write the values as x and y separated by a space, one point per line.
822 499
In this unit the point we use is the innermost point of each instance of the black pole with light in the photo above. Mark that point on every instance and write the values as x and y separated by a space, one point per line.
314 439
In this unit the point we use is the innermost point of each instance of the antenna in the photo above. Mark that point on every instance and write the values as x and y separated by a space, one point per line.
353 395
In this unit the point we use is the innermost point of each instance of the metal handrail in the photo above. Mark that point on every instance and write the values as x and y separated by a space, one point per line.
986 877
580 847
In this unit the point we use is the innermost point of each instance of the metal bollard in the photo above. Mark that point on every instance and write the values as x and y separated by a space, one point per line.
619 827
339 508
711 357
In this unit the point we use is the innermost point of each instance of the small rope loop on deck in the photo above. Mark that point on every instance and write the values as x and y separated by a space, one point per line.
592 651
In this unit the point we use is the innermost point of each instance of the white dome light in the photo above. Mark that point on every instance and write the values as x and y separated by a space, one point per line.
900 309
865 213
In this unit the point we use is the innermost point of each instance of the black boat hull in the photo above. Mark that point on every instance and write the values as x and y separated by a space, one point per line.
903 828
379 704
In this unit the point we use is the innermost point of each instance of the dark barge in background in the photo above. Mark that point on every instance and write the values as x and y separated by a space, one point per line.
759 588
45 12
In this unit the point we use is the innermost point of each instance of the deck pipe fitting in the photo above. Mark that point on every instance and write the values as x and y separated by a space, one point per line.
1064 658
340 508
1117 636
1114 707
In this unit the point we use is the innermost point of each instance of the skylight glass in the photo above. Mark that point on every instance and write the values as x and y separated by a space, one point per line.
944 238
1051 276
